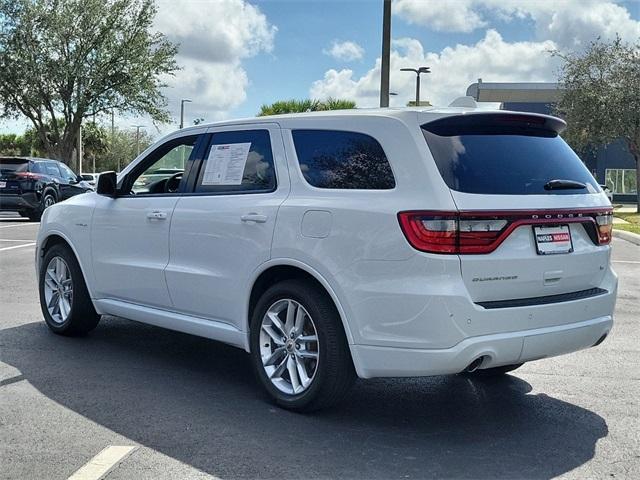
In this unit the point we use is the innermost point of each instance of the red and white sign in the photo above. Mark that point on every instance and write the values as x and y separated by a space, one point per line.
552 240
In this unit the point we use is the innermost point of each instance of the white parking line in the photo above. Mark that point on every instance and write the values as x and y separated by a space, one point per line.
25 224
103 463
3 249
624 261
14 240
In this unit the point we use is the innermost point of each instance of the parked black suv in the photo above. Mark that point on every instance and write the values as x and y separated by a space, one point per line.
29 185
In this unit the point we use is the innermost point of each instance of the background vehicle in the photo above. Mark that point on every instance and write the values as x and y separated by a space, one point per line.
29 185
607 191
91 179
331 245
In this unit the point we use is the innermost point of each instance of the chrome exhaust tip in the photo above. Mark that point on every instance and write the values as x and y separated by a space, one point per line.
473 366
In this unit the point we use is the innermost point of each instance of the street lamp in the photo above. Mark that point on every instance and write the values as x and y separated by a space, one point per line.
182 102
138 127
417 71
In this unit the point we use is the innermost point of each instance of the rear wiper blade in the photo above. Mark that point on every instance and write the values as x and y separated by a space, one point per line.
559 184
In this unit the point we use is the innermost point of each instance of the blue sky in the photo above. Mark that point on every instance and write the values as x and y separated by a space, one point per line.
238 54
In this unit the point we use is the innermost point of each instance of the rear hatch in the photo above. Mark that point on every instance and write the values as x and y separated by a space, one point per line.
533 224
11 175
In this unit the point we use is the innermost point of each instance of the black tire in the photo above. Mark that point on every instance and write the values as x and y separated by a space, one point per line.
493 372
49 198
82 317
335 373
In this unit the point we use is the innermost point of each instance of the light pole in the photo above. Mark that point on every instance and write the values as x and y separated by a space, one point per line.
417 71
138 127
386 53
182 102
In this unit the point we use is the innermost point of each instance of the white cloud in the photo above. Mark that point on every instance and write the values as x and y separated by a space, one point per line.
459 16
454 69
344 51
214 38
569 23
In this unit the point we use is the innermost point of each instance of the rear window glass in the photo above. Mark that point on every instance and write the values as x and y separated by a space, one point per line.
509 157
339 159
9 165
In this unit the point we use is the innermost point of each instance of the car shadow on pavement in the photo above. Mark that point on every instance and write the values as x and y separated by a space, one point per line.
196 400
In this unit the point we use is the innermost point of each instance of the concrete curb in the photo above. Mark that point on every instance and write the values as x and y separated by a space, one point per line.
628 236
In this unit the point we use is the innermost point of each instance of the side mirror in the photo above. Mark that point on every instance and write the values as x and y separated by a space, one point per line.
107 184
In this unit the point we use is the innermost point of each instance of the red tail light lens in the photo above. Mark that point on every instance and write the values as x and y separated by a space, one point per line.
605 228
482 232
28 175
436 233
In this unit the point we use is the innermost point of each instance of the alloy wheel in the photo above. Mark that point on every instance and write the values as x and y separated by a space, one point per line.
48 201
58 289
289 346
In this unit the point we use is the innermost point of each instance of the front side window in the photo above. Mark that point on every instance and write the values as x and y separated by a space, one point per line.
342 160
67 173
238 161
162 170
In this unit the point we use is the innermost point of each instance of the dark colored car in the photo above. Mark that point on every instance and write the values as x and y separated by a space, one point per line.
29 185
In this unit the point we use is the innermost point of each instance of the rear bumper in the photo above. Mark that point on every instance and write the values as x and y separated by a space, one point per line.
497 349
24 201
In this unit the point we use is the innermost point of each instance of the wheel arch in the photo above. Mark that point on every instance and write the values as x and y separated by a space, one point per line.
59 238
284 269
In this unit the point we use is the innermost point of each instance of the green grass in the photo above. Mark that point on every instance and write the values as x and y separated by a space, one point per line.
632 218
629 227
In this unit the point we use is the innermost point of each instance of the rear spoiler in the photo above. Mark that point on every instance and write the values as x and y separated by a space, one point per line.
486 123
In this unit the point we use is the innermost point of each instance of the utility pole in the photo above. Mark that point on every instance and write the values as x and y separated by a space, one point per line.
386 53
417 71
80 150
138 127
182 102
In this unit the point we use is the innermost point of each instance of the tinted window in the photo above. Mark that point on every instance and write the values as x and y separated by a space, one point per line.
52 169
8 165
37 167
67 173
238 161
337 159
507 157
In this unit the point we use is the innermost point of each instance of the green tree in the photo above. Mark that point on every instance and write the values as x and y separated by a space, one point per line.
120 149
297 106
61 61
601 100
12 144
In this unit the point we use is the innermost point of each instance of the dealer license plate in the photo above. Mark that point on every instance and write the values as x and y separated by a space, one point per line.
553 240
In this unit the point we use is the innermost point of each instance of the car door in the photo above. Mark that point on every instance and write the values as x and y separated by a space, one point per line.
69 185
222 231
130 233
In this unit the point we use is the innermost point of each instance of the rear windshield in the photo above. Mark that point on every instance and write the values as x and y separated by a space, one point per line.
8 165
505 155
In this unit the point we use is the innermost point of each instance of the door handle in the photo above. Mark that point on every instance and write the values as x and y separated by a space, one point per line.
157 215
254 217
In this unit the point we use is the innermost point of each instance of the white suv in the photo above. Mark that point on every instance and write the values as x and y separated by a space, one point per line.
330 245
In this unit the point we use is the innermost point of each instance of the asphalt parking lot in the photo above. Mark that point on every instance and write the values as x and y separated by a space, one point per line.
193 409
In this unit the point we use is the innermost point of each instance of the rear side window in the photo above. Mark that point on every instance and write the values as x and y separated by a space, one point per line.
238 161
37 167
345 160
51 168
504 155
